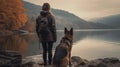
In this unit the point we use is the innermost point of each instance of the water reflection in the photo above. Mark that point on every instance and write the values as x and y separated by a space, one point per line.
87 44
14 43
113 36
91 49
97 44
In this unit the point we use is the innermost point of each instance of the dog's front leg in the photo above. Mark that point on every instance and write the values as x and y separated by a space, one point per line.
70 64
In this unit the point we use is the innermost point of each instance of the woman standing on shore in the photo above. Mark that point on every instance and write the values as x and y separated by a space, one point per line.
48 36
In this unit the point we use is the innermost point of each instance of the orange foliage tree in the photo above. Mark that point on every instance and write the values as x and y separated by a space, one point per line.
12 14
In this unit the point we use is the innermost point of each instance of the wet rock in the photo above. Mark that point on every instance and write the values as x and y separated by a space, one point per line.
10 58
6 65
101 65
77 61
112 60
32 61
106 62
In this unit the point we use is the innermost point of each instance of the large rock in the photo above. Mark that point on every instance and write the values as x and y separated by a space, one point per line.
10 59
77 61
32 61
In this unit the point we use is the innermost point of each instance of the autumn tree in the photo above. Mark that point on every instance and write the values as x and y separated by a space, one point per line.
12 14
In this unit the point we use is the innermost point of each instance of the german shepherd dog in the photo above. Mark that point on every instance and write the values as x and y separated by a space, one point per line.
62 56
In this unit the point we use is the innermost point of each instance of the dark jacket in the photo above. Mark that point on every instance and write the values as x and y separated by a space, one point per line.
51 25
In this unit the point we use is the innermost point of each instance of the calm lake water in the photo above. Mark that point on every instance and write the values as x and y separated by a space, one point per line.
88 44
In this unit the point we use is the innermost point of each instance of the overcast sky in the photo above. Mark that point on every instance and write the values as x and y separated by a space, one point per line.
86 9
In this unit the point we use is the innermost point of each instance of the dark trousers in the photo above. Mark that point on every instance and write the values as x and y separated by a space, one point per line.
47 49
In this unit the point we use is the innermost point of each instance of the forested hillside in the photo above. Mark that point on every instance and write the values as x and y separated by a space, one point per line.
63 19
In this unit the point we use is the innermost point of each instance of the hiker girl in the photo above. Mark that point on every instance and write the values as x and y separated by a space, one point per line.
46 30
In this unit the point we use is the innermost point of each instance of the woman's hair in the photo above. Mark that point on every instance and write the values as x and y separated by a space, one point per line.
46 7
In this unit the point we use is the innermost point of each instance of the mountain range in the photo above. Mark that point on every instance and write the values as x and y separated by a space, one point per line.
112 20
63 18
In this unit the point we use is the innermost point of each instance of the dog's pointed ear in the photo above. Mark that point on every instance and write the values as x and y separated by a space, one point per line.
65 30
71 31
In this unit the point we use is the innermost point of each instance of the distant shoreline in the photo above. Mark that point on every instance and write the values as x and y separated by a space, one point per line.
7 32
93 30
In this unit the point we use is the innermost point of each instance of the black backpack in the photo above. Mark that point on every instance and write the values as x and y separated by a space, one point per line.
42 25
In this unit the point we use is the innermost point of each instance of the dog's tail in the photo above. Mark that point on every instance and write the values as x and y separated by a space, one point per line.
60 53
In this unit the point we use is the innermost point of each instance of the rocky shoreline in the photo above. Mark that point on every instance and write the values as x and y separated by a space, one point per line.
36 61
105 62
14 59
